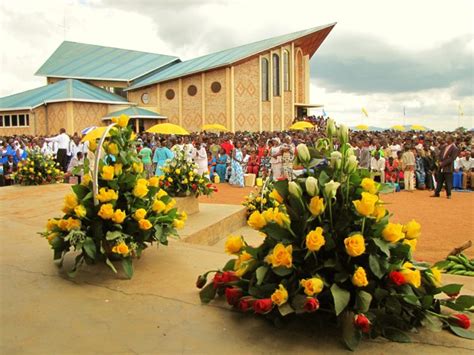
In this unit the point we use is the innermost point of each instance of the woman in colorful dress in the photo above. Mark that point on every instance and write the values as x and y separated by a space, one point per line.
221 165
275 159
288 154
237 174
161 155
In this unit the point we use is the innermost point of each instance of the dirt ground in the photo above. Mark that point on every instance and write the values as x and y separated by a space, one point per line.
445 223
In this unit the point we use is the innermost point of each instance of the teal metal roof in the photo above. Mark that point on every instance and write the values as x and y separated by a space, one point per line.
64 90
222 58
86 61
134 112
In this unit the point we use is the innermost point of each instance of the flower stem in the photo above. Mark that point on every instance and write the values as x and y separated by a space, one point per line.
330 214
363 226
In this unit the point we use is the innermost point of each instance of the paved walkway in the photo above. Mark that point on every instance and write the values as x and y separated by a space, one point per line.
158 311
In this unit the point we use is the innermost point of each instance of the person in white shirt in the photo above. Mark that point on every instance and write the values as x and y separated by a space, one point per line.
467 166
200 158
395 148
189 150
62 139
76 161
377 167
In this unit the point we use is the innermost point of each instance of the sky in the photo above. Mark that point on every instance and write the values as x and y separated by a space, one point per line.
386 56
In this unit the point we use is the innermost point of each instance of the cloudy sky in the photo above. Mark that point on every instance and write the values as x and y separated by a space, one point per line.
384 56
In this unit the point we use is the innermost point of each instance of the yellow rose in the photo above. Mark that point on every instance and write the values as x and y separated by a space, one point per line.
86 179
153 181
355 245
315 239
393 232
119 216
63 224
140 190
80 211
138 167
312 286
73 224
170 205
158 206
112 148
185 181
281 256
121 121
51 224
379 212
144 224
436 276
316 206
276 196
369 185
106 211
70 202
178 224
411 275
121 248
242 263
32 170
118 169
234 244
52 237
178 171
359 279
274 215
366 205
170 179
256 220
108 172
280 296
106 195
139 214
412 243
412 229
183 216
161 193
142 181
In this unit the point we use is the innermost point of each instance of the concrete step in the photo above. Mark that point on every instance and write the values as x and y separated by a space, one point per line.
213 223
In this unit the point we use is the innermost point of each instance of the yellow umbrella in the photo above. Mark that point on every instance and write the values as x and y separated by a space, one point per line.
300 126
168 128
398 128
96 133
362 127
417 127
214 127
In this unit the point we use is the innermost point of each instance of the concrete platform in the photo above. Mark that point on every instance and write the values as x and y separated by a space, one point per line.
157 312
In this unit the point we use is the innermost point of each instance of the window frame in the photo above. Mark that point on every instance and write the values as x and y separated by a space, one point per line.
276 75
265 82
286 70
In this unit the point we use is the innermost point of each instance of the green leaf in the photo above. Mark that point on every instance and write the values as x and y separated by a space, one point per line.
277 233
463 333
395 334
282 271
432 322
341 298
80 191
350 334
229 266
285 309
465 301
382 245
208 293
380 293
363 300
323 179
111 235
109 263
281 187
375 266
393 305
89 247
260 273
441 264
127 267
450 289
411 299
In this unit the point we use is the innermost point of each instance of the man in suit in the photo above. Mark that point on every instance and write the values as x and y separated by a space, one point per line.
447 157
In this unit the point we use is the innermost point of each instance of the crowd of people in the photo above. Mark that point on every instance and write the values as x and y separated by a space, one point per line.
408 160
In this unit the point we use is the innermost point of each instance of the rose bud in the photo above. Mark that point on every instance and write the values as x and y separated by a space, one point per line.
311 304
303 153
217 279
229 276
362 323
245 304
263 306
460 320
233 295
397 278
295 189
201 281
312 186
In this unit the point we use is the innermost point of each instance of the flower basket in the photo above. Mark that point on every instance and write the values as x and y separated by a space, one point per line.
38 169
114 213
330 251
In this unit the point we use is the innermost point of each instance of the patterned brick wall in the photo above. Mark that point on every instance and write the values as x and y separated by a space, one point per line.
216 102
277 113
88 114
288 114
170 108
135 96
246 95
192 109
266 119
56 117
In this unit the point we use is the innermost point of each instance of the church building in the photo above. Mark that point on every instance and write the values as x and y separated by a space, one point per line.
253 87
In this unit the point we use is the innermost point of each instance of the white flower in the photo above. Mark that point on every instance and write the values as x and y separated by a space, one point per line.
330 127
343 134
351 164
303 153
312 186
336 159
330 188
295 189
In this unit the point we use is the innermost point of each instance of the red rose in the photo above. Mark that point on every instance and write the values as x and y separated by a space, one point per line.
167 183
229 276
245 304
311 304
362 322
461 320
397 278
233 295
217 279
194 186
263 306
208 185
215 190
201 281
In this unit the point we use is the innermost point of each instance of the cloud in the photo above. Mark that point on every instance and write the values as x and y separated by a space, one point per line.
365 64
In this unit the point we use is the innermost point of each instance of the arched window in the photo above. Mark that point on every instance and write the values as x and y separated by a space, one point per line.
286 70
264 79
276 75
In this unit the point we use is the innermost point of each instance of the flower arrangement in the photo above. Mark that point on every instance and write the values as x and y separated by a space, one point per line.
181 179
120 217
262 199
333 252
38 169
